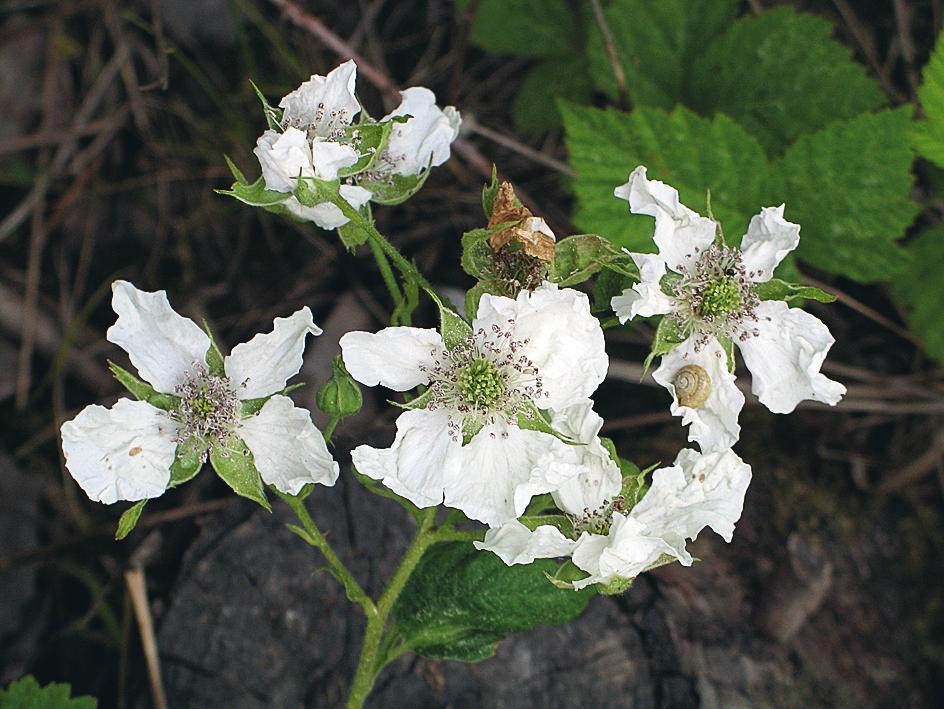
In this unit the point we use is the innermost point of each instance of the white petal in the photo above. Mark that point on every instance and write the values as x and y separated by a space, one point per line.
263 365
327 215
289 452
785 358
627 551
643 299
714 424
283 158
328 157
323 103
598 478
698 491
564 341
680 232
121 453
514 543
162 345
496 462
769 238
651 266
394 357
426 136
419 461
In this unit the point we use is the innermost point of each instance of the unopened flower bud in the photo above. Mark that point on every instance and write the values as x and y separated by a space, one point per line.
340 396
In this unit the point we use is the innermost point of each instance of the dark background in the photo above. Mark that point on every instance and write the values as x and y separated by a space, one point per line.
115 117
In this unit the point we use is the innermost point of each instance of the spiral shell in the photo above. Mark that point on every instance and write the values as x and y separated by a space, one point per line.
692 386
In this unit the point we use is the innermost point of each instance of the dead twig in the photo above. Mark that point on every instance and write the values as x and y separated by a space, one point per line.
867 46
137 593
612 55
916 469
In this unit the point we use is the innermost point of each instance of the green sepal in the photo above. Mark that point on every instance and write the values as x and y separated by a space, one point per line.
369 140
417 402
394 189
143 391
214 358
775 289
540 503
248 407
129 518
607 286
352 234
489 192
473 296
561 522
534 419
233 462
667 337
255 194
566 574
340 396
453 328
188 459
273 115
617 586
376 488
578 257
727 344
312 191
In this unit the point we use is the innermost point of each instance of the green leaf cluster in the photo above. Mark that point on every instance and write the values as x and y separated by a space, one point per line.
26 693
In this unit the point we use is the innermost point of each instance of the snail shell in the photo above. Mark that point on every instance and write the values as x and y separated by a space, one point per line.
692 386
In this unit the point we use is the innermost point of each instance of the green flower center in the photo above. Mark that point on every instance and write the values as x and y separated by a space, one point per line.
481 384
720 297
208 409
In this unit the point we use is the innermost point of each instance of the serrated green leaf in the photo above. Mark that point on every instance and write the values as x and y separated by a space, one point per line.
658 43
691 153
928 135
578 257
143 391
459 603
779 75
535 109
665 340
776 289
920 290
525 28
847 186
233 462
255 195
129 518
476 252
25 693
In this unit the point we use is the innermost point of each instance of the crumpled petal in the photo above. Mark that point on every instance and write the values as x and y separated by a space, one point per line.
597 477
514 543
121 453
681 234
785 357
263 365
289 452
651 266
284 157
643 299
323 104
769 238
627 551
559 335
418 462
394 357
494 465
327 215
714 424
426 136
328 157
162 345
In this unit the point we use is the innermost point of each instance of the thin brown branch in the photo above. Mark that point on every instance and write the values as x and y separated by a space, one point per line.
916 469
137 592
867 46
612 55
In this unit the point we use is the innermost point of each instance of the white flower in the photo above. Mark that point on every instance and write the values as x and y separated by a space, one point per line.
700 490
710 295
543 349
424 140
311 145
126 452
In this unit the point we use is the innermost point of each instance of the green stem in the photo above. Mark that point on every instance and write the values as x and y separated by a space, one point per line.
314 536
383 263
371 660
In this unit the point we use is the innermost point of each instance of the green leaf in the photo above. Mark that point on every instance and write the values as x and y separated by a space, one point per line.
273 114
781 74
25 693
473 296
847 186
129 518
369 140
920 290
535 109
188 460
775 289
691 153
665 340
143 391
578 257
928 135
233 462
606 286
459 603
525 28
476 252
658 43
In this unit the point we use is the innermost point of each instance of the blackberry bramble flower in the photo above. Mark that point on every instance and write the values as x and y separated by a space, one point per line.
194 404
714 296
477 439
